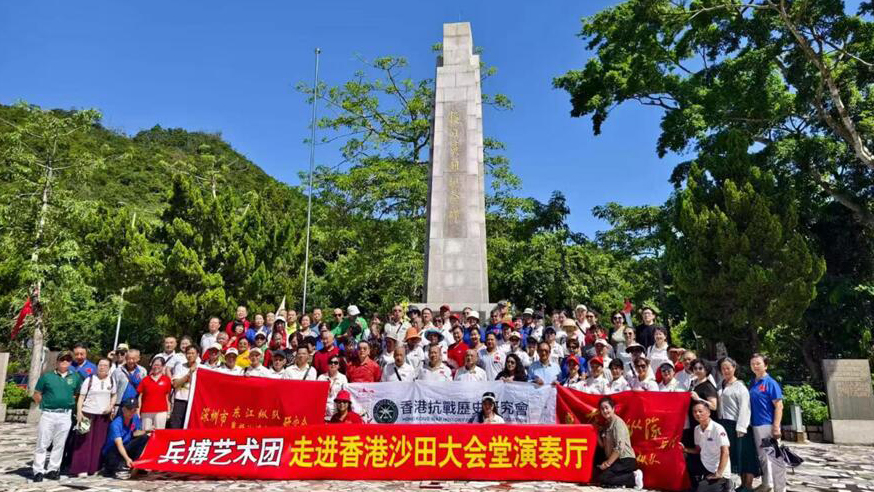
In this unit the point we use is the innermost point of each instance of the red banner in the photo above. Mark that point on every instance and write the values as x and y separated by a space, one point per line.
379 452
655 421
220 400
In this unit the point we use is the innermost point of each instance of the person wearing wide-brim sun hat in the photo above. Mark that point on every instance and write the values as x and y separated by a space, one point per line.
343 413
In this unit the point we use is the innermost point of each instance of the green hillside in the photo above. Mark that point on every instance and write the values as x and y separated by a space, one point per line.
138 169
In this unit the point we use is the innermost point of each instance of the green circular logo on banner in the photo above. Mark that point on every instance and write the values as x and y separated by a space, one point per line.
385 412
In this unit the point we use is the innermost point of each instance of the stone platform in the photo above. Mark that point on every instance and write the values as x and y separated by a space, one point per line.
826 467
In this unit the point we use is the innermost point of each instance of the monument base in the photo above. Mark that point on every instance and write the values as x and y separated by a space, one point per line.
849 431
484 309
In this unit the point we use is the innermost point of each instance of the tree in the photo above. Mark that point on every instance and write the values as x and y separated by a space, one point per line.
741 269
640 233
374 197
792 76
38 152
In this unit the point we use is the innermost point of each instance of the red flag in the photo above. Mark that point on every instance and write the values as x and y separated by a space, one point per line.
628 307
27 309
655 421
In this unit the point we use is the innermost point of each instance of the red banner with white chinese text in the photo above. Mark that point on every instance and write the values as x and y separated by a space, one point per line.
225 401
379 452
655 421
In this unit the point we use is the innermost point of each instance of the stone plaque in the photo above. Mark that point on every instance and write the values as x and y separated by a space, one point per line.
848 387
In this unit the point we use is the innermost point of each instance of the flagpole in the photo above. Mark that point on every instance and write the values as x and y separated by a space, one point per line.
306 261
121 298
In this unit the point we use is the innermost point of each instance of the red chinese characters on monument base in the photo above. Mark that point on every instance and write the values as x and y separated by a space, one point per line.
655 421
224 401
379 452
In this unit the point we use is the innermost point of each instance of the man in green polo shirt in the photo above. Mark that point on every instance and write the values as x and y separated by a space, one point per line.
55 393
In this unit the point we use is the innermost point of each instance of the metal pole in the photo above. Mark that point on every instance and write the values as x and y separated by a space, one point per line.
306 261
121 300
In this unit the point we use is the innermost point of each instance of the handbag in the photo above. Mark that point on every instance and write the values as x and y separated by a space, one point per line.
83 426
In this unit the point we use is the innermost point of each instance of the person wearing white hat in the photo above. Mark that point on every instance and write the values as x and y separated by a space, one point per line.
230 366
471 323
669 382
514 346
529 327
602 350
580 315
214 356
353 325
256 368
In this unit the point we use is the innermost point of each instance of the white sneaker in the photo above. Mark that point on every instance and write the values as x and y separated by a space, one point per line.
638 479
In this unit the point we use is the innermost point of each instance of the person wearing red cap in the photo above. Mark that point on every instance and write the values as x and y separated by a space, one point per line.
343 413
597 382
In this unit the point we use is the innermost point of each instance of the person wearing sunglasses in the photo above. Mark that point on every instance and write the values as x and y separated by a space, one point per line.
337 382
617 335
669 383
642 380
344 413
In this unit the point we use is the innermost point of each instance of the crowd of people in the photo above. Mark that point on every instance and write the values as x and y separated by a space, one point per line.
114 404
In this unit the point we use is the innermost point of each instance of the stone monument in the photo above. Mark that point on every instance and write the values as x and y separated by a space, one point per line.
850 401
456 272
4 364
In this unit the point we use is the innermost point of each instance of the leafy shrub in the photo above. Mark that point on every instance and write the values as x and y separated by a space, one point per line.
15 397
813 408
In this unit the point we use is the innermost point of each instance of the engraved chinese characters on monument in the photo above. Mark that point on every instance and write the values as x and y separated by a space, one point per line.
454 226
850 401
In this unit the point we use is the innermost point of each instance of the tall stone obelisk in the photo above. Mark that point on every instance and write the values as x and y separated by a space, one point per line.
456 272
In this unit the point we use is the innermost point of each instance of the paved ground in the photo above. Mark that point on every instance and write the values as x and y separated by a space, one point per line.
826 467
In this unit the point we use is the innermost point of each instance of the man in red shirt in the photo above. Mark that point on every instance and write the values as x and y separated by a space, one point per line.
363 369
320 360
457 350
343 413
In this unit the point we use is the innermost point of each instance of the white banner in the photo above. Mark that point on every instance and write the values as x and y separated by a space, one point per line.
433 402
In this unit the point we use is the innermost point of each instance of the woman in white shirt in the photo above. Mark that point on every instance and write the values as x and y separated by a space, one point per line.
489 413
622 353
734 416
337 380
618 384
669 383
642 381
96 400
657 353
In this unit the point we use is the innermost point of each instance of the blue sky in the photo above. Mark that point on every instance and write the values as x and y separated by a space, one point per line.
232 67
